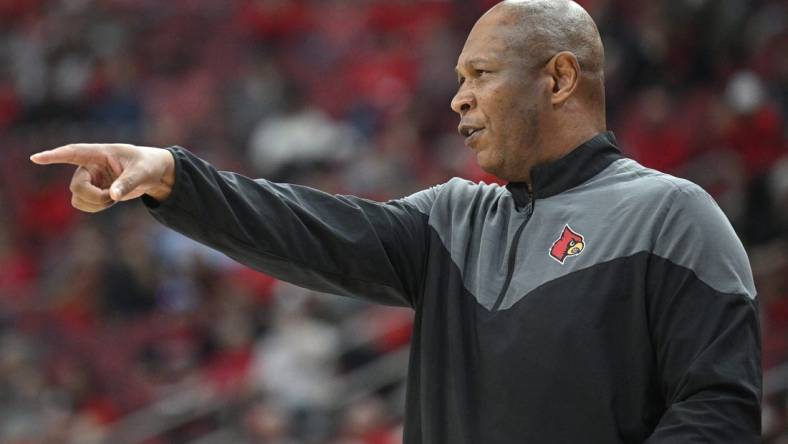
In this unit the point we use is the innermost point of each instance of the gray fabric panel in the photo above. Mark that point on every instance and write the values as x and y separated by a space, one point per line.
477 224
423 199
623 210
697 235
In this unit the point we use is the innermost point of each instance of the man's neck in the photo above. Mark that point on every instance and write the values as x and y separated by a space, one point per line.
558 148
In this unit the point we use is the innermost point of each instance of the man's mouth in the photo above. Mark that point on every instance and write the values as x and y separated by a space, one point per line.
470 133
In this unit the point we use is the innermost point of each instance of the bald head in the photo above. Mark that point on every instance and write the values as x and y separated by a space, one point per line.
544 28
540 29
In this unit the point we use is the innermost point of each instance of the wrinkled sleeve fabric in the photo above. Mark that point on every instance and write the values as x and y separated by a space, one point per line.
336 244
703 316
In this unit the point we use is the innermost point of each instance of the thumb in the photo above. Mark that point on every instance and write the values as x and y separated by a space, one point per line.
130 179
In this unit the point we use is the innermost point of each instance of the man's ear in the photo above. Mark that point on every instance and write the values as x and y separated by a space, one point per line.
565 72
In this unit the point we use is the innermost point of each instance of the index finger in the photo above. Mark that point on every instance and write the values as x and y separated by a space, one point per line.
75 154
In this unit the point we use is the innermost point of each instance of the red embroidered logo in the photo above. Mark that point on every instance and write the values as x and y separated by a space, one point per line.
570 243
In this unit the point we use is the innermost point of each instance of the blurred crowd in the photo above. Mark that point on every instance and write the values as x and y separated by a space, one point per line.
114 329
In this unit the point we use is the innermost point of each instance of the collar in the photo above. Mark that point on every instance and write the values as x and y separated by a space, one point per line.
581 164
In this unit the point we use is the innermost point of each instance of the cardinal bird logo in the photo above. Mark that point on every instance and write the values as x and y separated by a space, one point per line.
571 243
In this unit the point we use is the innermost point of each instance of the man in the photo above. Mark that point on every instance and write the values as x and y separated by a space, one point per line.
591 300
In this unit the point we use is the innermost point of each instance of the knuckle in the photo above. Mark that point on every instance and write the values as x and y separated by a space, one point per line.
79 191
118 148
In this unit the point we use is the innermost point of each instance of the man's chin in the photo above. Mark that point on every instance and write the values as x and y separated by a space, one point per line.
488 163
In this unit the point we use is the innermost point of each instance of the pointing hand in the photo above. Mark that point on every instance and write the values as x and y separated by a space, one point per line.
108 173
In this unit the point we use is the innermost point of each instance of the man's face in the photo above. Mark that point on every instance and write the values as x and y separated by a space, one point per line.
501 99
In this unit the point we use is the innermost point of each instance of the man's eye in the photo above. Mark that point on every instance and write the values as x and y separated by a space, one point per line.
480 72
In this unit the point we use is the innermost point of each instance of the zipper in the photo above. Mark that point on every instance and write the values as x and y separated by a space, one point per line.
513 251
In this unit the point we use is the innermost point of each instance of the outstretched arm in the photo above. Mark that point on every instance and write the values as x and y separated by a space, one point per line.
337 244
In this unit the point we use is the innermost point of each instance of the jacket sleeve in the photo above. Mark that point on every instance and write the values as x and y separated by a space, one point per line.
703 316
337 244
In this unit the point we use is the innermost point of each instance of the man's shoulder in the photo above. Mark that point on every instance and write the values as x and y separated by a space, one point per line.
641 179
630 181
459 187
452 192
649 198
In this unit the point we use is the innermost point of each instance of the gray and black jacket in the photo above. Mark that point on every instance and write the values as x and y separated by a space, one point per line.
614 304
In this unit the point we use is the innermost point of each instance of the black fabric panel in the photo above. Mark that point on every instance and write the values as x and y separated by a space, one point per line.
578 359
335 244
708 347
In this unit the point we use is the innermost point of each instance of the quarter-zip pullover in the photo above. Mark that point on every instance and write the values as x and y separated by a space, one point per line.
613 305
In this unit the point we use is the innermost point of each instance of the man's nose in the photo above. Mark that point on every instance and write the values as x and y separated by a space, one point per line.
463 102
